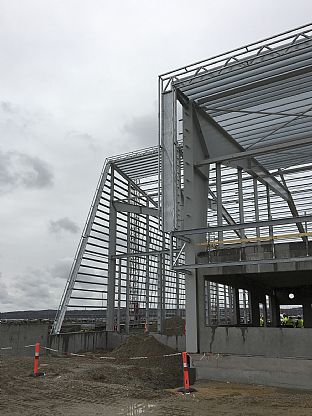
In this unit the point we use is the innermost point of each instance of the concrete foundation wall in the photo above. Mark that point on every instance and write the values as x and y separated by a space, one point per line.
16 336
269 356
19 335
76 342
266 342
281 372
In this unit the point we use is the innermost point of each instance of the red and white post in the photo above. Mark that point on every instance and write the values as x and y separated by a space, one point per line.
36 372
36 359
186 381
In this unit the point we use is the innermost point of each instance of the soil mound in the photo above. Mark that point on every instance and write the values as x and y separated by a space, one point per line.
141 346
155 372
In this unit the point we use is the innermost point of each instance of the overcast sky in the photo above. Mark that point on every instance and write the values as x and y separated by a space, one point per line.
78 84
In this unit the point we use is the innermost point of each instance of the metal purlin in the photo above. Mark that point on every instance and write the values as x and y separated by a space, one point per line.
122 267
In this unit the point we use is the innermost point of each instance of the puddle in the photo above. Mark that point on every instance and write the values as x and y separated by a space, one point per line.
137 409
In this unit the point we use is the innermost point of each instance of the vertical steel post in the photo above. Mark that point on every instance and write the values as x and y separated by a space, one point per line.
160 295
236 307
127 318
147 275
270 218
178 294
240 194
119 295
245 307
256 203
111 259
219 200
208 300
240 204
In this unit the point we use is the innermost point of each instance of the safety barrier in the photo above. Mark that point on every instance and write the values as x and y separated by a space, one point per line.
185 361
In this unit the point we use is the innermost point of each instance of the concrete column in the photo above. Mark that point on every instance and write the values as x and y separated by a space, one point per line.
275 307
254 306
307 314
236 307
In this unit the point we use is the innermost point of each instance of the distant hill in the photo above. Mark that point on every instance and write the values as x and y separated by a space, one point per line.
49 314
43 314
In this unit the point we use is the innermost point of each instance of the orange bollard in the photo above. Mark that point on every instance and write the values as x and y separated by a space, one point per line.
186 389
186 380
36 361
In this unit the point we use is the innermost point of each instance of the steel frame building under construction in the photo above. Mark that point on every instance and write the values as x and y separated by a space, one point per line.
216 222
122 265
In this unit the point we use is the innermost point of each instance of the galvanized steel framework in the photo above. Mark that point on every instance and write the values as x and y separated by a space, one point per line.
232 170
122 264
244 121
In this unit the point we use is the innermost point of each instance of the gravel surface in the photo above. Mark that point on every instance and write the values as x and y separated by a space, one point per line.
93 386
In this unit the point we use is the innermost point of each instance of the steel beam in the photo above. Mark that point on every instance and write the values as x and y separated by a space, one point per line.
243 263
220 143
246 225
284 145
212 204
293 208
219 200
135 209
256 84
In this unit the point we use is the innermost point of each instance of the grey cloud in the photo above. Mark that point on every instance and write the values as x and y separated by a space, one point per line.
39 287
22 170
5 298
86 138
61 269
7 107
143 129
63 224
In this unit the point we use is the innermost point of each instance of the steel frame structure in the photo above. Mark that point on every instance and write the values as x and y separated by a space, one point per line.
243 120
232 171
122 264
254 101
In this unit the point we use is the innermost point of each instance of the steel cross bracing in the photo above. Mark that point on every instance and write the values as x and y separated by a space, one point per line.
122 269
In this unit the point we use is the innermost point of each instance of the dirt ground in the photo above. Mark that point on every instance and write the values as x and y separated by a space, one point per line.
93 386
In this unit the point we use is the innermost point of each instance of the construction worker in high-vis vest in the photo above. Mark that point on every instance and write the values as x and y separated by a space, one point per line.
299 323
285 320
